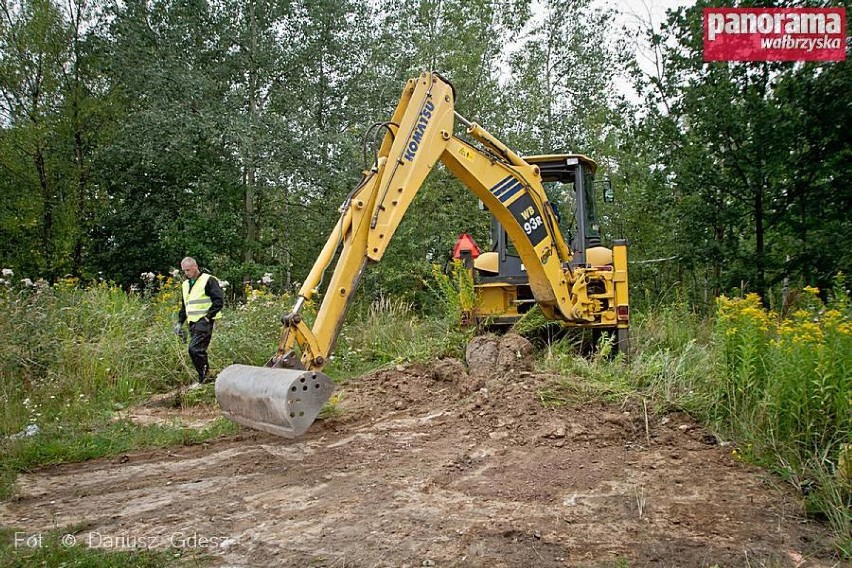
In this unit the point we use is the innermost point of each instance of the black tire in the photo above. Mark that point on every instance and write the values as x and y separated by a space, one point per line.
622 341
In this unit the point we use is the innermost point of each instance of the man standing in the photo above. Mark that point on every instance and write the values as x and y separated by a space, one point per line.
201 305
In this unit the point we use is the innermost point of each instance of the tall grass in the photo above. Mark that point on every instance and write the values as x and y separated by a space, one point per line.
784 390
72 356
456 292
72 353
390 331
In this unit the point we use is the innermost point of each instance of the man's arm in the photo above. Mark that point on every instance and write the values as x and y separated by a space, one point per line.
217 298
182 312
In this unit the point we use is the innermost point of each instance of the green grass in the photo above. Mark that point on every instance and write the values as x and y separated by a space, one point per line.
388 332
72 357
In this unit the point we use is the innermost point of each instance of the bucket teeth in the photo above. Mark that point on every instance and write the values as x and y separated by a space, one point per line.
284 402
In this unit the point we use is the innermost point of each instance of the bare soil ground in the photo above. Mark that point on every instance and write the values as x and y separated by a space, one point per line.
440 466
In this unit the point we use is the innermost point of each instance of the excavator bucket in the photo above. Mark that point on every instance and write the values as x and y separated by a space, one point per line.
283 402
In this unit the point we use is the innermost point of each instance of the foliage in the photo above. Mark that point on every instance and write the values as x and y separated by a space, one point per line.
387 332
75 355
788 377
391 331
455 291
785 391
738 161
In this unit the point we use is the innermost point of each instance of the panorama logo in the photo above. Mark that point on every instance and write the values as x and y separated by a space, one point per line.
774 34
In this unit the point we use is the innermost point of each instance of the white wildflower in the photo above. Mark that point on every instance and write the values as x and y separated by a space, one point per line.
8 272
224 284
267 278
26 282
147 277
174 273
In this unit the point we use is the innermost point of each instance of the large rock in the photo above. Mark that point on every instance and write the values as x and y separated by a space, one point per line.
481 354
515 353
491 356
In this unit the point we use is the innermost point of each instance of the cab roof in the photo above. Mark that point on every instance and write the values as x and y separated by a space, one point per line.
554 161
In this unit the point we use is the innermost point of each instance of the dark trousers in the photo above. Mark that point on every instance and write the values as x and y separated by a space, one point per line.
200 334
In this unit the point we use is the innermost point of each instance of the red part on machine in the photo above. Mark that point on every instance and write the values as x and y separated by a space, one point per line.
466 243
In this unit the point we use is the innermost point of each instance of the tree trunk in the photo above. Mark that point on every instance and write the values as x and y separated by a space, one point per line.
79 153
47 220
250 171
760 261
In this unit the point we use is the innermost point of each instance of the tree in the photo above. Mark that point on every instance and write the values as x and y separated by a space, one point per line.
741 148
32 56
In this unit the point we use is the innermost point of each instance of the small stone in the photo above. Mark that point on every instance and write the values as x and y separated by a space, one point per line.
400 368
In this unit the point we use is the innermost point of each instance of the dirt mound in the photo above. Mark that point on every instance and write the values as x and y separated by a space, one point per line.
448 464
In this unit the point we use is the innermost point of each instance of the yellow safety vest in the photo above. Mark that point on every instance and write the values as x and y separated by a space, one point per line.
196 301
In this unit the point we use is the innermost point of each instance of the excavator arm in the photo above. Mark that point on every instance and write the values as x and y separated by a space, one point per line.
285 396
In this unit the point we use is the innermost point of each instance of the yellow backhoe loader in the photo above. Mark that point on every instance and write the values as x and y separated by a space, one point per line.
285 396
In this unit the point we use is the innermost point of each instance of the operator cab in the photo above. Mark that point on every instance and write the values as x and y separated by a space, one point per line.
569 181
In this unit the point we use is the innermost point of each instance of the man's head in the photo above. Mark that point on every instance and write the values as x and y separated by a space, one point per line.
189 267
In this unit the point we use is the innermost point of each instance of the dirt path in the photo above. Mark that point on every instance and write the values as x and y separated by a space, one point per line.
413 472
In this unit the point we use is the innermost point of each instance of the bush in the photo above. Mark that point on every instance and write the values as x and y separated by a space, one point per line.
784 390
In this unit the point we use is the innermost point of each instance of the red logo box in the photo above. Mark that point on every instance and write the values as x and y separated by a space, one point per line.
774 34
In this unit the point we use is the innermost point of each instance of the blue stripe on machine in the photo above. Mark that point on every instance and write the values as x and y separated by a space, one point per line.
502 184
509 188
510 192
